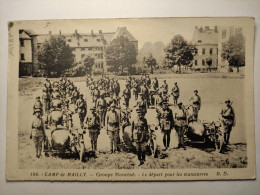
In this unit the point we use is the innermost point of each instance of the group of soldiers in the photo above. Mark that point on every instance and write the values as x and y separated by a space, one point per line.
109 102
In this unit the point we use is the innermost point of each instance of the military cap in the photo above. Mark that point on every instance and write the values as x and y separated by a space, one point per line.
227 101
195 90
37 110
113 105
179 102
81 95
175 82
164 81
38 97
139 110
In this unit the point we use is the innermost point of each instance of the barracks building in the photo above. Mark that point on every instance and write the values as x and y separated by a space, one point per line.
83 44
208 42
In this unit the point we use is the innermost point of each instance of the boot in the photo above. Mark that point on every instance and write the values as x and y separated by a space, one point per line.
164 143
168 141
143 156
227 142
95 146
111 148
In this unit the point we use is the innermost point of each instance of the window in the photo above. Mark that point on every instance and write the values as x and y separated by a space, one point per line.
203 51
196 51
199 41
69 40
210 51
238 31
196 62
82 49
101 64
21 42
82 55
224 33
90 48
22 56
98 40
85 40
203 62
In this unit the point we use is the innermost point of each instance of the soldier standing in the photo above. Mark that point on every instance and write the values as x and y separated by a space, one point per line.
175 93
81 109
164 87
228 120
38 132
180 121
141 103
165 118
101 106
127 95
46 101
112 127
140 135
196 104
93 127
155 83
37 104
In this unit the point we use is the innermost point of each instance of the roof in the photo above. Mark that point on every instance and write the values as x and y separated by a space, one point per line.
24 35
201 37
122 31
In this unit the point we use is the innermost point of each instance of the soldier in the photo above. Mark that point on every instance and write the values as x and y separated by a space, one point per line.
175 93
141 103
196 104
112 127
101 106
228 120
140 135
165 118
75 95
155 83
37 104
48 87
127 95
96 94
56 104
38 132
180 122
164 87
81 109
117 88
93 126
46 101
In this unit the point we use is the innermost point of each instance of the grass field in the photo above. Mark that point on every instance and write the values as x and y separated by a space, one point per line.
213 91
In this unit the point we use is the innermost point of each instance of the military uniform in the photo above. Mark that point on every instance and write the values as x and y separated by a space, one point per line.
142 104
155 84
112 127
93 127
180 122
127 96
228 120
176 94
38 105
101 106
38 133
166 123
140 135
82 110
165 88
46 102
196 104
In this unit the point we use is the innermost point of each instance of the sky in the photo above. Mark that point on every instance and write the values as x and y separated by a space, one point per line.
143 29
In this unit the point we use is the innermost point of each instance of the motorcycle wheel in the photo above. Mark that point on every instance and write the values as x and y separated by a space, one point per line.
219 143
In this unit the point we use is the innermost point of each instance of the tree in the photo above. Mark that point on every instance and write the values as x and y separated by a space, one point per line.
151 62
55 56
178 52
121 53
209 63
234 51
88 63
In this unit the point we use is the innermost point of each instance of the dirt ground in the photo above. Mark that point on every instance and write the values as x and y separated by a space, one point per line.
213 91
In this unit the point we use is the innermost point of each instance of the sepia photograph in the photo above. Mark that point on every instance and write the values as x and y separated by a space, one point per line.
137 99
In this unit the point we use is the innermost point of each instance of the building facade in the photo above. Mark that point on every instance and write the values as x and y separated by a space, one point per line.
83 45
208 43
25 54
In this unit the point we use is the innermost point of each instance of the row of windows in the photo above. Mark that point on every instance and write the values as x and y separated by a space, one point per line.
204 51
85 40
203 62
97 65
98 55
89 48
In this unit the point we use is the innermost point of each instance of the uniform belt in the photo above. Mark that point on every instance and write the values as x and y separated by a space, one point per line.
181 118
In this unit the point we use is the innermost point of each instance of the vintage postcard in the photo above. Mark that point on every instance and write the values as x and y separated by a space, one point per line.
137 99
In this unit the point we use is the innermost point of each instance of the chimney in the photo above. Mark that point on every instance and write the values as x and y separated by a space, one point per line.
215 29
60 32
49 32
100 31
92 33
